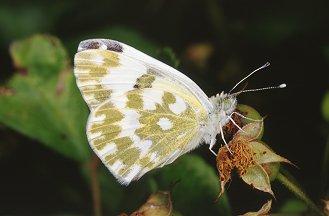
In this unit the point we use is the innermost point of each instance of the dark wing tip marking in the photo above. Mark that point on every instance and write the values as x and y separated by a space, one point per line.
103 44
114 46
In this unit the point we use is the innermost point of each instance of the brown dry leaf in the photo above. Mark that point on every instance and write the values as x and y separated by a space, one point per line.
242 157
264 211
158 204
224 167
250 158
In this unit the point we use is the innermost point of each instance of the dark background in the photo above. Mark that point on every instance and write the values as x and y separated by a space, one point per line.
243 35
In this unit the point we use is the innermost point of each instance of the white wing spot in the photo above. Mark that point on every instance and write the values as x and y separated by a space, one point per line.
153 156
165 123
179 106
108 149
98 59
143 145
116 166
151 98
129 123
119 101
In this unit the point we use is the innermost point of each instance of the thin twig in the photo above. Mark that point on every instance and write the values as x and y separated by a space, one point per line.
93 166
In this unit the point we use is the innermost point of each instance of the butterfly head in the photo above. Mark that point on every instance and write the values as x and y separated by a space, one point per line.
223 103
223 106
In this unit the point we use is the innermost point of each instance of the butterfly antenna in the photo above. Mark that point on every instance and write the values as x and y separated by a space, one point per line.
264 66
243 88
283 85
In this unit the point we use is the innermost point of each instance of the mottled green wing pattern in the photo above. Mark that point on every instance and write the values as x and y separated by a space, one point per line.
100 73
104 67
143 129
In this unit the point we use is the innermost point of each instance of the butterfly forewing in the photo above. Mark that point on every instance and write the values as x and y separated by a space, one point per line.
147 129
99 73
103 66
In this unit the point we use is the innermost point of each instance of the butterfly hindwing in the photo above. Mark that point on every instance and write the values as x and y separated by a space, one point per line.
143 129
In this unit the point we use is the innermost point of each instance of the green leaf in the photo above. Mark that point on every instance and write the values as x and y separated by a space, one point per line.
251 131
158 204
257 177
325 106
250 113
261 212
265 155
46 104
40 55
168 56
198 186
325 166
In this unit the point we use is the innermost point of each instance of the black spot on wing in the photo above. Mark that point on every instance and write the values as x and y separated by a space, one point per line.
93 45
114 46
103 44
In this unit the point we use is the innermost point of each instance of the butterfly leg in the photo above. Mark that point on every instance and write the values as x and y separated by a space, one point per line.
223 138
231 119
242 116
212 143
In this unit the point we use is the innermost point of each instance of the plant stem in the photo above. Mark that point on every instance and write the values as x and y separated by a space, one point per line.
299 193
93 169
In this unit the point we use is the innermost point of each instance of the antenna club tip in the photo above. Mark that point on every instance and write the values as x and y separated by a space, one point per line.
283 85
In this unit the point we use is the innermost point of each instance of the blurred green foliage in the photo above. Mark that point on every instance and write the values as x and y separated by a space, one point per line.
46 104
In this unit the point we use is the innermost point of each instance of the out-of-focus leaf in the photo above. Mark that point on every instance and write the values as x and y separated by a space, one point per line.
197 186
168 56
325 106
158 204
264 211
19 21
325 166
46 104
198 54
293 206
41 55
257 177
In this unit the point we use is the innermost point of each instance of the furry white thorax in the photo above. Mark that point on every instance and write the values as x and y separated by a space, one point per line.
224 105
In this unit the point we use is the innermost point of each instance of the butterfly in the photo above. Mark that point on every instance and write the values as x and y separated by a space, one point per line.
144 114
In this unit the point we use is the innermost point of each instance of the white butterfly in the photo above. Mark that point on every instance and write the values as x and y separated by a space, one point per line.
144 113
